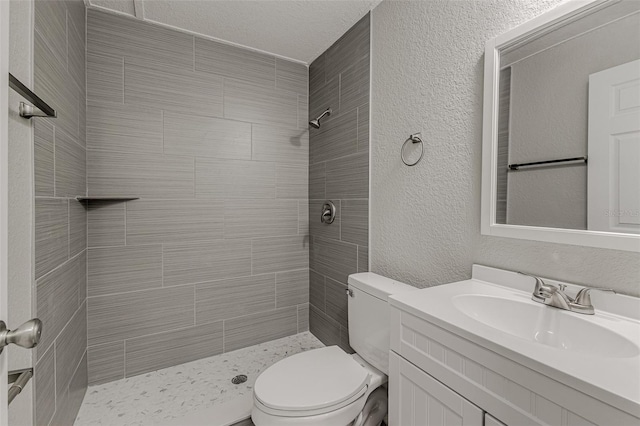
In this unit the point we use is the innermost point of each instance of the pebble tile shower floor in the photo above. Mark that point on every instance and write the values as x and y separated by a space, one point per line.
168 395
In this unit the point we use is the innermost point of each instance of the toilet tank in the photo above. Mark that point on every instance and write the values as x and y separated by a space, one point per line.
369 316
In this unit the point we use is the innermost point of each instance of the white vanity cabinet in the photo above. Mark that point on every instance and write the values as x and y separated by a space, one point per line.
438 377
417 399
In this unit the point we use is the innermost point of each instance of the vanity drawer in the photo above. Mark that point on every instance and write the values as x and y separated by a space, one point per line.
512 393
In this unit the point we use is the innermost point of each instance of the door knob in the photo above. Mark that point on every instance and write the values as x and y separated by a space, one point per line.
26 336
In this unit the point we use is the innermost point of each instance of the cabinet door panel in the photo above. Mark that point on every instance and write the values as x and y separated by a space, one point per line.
489 420
417 399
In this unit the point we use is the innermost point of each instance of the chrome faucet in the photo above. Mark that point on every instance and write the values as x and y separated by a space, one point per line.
551 295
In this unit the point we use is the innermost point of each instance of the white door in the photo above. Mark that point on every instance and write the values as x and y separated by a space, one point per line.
613 199
4 119
417 399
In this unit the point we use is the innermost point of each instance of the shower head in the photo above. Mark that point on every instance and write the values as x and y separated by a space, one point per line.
316 122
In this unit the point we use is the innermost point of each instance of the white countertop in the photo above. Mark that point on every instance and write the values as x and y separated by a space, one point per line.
612 379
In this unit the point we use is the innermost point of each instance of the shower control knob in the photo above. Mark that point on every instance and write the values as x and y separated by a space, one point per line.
26 336
328 213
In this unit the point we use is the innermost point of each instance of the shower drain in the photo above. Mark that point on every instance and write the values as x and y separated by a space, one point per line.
240 378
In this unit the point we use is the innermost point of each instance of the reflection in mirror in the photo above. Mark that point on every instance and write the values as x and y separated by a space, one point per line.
569 124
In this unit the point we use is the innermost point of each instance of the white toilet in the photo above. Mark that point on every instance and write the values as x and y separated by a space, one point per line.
327 386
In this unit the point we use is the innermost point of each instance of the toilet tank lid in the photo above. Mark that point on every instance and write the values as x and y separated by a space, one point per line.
377 285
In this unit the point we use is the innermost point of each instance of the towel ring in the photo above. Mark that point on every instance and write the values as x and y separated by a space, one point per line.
415 138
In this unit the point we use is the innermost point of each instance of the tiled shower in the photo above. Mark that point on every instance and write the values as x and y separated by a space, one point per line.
213 140
204 187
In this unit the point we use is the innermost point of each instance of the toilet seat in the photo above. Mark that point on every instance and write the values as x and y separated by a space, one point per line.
311 383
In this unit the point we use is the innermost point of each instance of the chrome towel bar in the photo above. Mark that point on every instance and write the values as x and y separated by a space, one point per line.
18 379
28 111
547 163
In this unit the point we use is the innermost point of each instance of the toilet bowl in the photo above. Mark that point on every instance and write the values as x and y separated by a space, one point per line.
327 386
324 386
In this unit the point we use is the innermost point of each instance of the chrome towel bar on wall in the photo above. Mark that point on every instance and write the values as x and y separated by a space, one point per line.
29 111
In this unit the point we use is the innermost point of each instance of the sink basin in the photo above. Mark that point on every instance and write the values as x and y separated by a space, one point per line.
545 325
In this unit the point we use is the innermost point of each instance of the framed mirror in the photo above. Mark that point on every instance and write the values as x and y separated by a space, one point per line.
561 127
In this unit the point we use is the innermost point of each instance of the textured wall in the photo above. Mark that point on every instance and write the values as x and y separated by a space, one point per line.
339 171
214 141
60 221
425 220
549 113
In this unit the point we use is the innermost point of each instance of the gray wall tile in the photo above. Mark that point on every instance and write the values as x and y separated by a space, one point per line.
140 175
292 288
168 221
280 144
231 61
206 261
336 302
106 362
77 227
303 111
70 168
105 78
163 350
218 300
78 387
348 177
355 221
250 102
363 128
317 181
292 181
123 128
258 328
363 259
68 404
70 349
255 218
76 54
303 318
106 225
353 45
323 327
124 36
291 76
333 259
173 90
303 217
321 229
325 96
354 85
45 388
206 136
279 254
51 234
124 316
317 290
61 223
52 83
43 158
316 73
335 139
121 269
225 179
50 21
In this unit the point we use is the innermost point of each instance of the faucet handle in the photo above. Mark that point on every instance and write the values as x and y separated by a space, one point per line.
584 297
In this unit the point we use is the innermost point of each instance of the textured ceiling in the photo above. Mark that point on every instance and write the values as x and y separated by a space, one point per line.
299 30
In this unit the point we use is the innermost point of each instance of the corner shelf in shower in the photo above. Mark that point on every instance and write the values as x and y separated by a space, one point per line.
109 198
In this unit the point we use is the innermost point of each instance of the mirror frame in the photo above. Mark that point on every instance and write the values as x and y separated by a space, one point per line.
560 15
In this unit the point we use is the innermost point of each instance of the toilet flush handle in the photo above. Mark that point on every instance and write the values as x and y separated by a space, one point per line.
350 293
